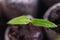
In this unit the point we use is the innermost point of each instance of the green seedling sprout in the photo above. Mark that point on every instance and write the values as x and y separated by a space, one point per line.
35 21
58 37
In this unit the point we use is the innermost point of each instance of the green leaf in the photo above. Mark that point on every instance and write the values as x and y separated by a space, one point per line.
19 20
58 37
43 23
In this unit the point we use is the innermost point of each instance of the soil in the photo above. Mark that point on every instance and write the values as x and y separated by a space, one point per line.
55 17
25 33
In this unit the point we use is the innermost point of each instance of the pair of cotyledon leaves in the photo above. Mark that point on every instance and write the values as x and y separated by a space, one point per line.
36 22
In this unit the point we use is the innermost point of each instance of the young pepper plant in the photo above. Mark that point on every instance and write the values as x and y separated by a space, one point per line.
35 21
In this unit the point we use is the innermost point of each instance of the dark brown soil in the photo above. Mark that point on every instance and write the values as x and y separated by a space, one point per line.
25 33
55 15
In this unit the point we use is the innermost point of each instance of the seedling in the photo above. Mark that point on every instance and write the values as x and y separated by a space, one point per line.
58 37
34 21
